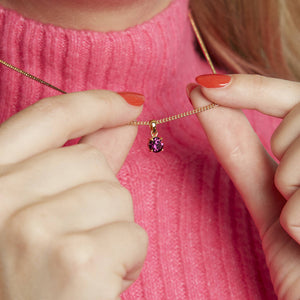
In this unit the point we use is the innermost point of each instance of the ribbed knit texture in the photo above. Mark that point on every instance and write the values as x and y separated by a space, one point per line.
203 244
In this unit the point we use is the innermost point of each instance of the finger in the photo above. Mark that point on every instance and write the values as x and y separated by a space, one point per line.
242 155
275 97
125 245
81 208
105 257
114 143
287 176
286 133
51 122
52 172
290 216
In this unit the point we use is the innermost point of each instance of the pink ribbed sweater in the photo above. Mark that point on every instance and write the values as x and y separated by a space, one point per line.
203 244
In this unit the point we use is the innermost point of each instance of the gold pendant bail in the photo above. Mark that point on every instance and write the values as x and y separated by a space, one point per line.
153 128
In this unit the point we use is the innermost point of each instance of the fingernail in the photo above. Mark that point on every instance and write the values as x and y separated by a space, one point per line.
134 99
213 80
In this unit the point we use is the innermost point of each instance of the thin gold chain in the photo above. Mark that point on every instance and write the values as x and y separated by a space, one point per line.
141 123
201 43
31 76
196 110
175 117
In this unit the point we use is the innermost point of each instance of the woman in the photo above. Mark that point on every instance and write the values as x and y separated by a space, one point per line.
67 229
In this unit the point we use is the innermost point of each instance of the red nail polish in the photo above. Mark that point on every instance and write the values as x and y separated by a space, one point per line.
213 80
134 99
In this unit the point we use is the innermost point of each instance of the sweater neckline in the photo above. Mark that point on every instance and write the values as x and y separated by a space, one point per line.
165 13
156 58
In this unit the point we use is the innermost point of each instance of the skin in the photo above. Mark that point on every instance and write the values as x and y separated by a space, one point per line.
271 191
46 251
98 15
72 235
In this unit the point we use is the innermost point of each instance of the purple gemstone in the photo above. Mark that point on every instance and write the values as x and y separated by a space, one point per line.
156 145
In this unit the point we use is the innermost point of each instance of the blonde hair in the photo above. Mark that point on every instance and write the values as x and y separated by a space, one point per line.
257 36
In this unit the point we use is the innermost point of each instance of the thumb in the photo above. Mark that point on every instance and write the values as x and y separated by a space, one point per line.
243 157
51 122
116 142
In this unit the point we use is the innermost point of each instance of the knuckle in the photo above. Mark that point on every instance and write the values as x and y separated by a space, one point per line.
257 83
257 86
26 230
127 203
107 103
52 107
92 154
74 255
139 236
120 195
125 198
107 106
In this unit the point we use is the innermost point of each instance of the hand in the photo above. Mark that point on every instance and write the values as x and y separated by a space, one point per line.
271 192
67 229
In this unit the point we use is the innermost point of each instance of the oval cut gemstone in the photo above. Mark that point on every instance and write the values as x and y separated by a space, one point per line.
155 144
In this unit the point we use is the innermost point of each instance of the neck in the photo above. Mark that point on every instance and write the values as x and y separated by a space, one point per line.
97 15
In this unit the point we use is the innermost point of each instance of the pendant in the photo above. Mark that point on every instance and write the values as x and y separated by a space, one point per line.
155 143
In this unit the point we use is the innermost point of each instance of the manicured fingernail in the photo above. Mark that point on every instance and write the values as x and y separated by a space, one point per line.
134 99
213 80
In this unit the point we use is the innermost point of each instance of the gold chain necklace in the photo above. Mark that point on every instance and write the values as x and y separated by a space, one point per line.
155 143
